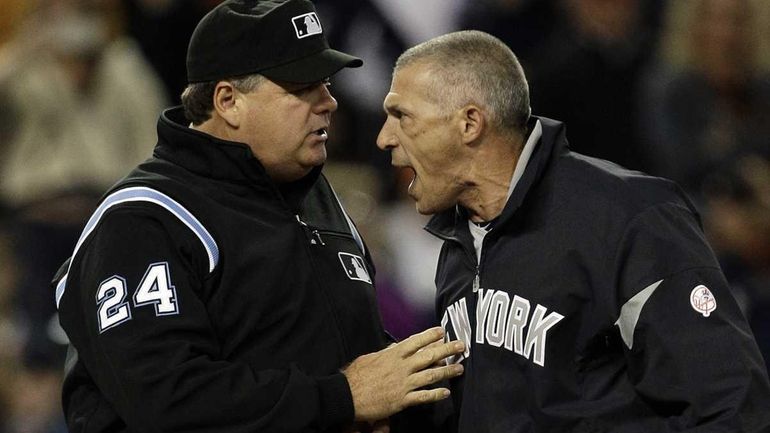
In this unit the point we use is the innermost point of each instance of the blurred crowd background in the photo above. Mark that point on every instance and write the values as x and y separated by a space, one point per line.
679 89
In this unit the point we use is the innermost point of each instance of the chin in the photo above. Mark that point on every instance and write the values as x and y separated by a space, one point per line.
422 211
430 207
319 158
427 208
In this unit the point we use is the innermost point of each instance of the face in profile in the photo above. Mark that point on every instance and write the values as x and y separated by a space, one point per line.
425 137
286 125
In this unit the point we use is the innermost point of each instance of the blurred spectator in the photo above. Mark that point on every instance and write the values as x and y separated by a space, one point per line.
35 406
85 106
738 222
709 103
707 118
10 338
79 104
588 75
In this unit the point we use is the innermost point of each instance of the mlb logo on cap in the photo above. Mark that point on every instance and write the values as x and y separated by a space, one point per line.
241 37
306 25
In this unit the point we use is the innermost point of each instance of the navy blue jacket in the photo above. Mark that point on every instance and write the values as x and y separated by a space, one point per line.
597 306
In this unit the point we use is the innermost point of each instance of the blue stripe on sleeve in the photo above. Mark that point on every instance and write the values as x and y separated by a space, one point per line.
144 194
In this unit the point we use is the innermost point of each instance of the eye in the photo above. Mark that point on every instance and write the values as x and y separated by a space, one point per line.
394 111
304 89
307 88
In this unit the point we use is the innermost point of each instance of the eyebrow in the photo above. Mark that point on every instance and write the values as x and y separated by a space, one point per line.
390 107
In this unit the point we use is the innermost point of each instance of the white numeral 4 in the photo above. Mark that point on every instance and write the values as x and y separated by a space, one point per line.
156 288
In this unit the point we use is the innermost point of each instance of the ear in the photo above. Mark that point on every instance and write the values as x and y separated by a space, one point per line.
472 124
226 103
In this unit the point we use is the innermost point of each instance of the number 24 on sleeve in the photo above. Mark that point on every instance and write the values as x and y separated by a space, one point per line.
154 289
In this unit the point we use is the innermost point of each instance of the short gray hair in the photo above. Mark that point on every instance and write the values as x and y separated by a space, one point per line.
198 98
475 67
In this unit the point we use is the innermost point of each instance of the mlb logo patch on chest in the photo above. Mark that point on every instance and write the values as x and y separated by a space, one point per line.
355 267
306 25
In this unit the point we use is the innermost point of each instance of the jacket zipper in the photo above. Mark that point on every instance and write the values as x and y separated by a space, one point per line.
313 235
477 278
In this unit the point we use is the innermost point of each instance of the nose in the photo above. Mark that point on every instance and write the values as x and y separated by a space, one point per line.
386 139
326 102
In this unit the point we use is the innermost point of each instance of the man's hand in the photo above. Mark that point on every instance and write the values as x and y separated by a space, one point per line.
386 382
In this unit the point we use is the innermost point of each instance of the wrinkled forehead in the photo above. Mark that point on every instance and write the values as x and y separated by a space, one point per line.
414 74
413 83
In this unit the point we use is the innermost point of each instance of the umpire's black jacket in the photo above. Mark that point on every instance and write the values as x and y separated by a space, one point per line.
597 306
202 297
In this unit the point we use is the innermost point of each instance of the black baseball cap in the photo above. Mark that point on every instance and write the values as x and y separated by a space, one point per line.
280 39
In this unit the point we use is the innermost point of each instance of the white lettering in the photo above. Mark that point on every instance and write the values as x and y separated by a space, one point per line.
517 321
536 333
501 322
482 306
498 313
458 313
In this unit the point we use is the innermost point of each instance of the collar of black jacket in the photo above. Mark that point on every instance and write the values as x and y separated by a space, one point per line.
219 159
452 222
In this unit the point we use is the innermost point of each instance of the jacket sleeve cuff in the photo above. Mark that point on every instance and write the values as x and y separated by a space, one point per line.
336 400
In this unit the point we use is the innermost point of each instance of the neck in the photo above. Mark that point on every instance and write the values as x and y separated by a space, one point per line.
214 128
489 177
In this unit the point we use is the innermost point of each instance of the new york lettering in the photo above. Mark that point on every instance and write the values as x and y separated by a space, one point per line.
511 324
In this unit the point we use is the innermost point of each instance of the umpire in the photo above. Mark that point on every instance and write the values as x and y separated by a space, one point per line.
221 286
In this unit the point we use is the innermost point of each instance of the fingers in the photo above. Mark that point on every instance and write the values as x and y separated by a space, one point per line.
433 375
434 354
418 341
435 345
387 381
428 346
425 396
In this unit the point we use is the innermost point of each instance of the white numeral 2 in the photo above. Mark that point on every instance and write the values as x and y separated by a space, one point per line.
111 296
155 289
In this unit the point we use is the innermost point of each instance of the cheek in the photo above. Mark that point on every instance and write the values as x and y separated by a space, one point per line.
435 164
259 120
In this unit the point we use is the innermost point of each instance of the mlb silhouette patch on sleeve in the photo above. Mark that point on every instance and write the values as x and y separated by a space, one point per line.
355 267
